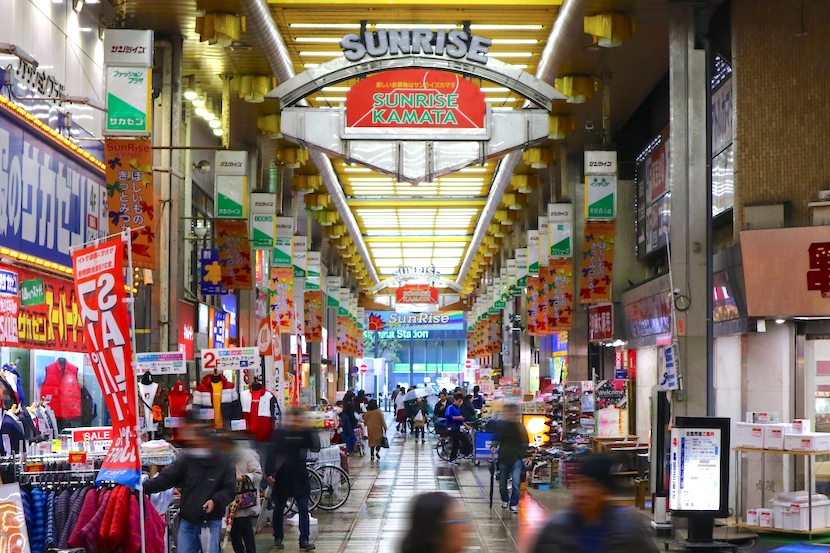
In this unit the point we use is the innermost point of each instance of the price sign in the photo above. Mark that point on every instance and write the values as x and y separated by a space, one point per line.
230 359
34 467
171 362
77 457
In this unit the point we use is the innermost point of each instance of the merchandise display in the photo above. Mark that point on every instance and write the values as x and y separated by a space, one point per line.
218 395
259 409
63 391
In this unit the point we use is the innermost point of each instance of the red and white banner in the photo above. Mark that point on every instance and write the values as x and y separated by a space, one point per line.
99 284
416 293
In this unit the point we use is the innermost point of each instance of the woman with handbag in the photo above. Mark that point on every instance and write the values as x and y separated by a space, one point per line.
248 477
376 425
419 420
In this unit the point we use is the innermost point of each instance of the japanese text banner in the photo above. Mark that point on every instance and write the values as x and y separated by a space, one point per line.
597 263
99 283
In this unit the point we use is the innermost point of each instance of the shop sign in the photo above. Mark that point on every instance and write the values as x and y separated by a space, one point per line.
231 183
313 315
50 200
416 293
544 250
211 282
533 253
282 297
521 269
99 281
230 359
649 316
234 254
228 302
9 307
218 328
313 269
130 196
161 363
409 102
187 321
668 362
333 291
263 220
343 310
300 256
656 173
284 243
128 47
600 163
411 273
454 44
559 344
600 196
560 230
597 262
601 322
31 292
46 85
129 101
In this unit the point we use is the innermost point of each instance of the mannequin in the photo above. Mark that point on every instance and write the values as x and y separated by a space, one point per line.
258 409
63 385
178 398
219 394
147 390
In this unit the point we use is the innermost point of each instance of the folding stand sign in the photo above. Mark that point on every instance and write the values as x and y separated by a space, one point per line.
699 483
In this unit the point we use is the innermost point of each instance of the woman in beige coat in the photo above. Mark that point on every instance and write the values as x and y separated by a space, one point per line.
376 427
242 532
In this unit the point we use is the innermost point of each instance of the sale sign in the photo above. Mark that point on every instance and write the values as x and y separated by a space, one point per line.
408 101
9 306
416 293
99 283
130 195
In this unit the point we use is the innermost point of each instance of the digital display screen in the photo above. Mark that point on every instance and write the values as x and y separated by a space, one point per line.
696 456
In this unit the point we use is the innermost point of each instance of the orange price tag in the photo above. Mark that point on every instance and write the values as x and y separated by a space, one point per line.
34 467
77 458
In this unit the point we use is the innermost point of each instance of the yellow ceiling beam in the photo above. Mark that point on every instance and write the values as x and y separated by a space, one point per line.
387 3
405 239
395 202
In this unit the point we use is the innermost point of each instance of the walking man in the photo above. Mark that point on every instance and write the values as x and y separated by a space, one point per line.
512 442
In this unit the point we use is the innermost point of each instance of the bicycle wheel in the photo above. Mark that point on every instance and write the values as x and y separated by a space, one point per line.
430 426
444 448
289 508
316 487
336 487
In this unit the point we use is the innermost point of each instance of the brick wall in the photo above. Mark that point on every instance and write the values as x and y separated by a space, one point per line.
782 104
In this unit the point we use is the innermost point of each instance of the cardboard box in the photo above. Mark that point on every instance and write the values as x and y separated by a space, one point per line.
749 435
762 417
752 517
816 441
774 435
801 426
766 518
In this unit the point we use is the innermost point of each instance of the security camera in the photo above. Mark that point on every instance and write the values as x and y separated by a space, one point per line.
589 125
676 292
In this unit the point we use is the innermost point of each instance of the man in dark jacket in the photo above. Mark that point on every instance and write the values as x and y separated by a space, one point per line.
592 523
441 406
207 479
287 474
467 409
512 441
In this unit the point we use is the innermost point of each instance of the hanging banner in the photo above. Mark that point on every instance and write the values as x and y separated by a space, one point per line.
333 291
313 270
99 284
231 184
544 306
512 277
313 315
130 195
533 292
533 253
262 312
187 323
560 230
600 196
668 362
300 256
597 263
211 281
560 294
234 254
263 231
284 243
544 250
521 268
601 322
343 310
129 101
282 297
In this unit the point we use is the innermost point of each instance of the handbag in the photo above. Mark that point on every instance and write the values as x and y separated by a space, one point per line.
248 495
384 442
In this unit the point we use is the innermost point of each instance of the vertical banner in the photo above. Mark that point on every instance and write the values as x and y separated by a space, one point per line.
231 184
282 297
263 311
128 57
560 294
313 315
284 247
234 254
512 277
99 284
9 307
600 196
300 256
211 281
333 291
597 263
533 305
560 230
543 311
130 195
263 220
544 250
668 362
533 253
277 363
521 268
313 270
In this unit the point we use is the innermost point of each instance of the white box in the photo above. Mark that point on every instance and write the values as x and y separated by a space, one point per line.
765 518
774 435
752 517
749 435
801 426
816 441
762 417
796 516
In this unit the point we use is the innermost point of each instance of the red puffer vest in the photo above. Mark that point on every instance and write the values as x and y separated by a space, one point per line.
63 386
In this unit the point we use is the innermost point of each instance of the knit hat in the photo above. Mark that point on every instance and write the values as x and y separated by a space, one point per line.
601 468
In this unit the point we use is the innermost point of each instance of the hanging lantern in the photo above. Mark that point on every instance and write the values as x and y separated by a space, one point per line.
220 28
560 126
577 88
609 29
538 158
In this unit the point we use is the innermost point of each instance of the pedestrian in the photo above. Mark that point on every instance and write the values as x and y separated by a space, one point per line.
437 524
348 420
287 474
441 406
248 477
400 411
360 402
395 393
419 420
478 399
512 442
455 420
592 523
467 409
207 480
376 426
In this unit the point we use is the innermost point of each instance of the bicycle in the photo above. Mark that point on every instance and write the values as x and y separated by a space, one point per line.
330 488
444 445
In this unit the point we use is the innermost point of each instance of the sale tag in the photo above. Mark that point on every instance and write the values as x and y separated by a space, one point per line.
57 446
77 457
238 425
34 467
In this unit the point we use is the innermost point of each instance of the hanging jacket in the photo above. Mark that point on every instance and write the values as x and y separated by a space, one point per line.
153 529
259 422
51 540
88 510
114 526
88 535
37 537
62 511
11 426
62 384
230 408
76 503
177 400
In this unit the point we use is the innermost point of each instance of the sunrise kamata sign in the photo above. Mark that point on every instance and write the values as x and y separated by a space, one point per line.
406 102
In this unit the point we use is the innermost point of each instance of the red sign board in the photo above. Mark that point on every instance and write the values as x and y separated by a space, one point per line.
411 101
187 329
92 434
601 322
416 293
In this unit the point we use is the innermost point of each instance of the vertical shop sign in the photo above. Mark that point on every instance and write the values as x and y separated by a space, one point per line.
544 250
545 283
9 307
313 315
300 256
601 322
282 297
284 247
263 220
597 263
533 305
231 184
600 196
128 57
560 294
333 291
234 254
187 323
211 281
262 311
313 262
669 379
512 277
560 230
533 253
99 284
521 268
130 195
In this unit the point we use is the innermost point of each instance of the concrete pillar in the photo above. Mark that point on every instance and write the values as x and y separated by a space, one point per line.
689 218
573 189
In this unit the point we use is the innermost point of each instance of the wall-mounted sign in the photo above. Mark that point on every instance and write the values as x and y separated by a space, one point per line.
263 220
284 248
128 48
409 273
454 43
416 293
560 230
442 320
171 362
230 179
408 102
31 292
601 322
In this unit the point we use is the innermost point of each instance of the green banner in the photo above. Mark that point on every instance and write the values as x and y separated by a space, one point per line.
283 256
559 238
128 101
600 194
32 292
263 230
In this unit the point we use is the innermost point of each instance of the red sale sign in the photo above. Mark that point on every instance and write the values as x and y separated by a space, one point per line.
99 284
410 101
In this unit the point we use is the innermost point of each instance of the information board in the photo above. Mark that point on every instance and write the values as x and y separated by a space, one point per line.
171 362
699 466
230 359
